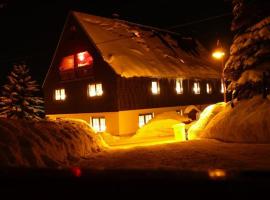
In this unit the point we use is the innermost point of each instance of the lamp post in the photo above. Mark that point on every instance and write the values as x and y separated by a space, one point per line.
219 54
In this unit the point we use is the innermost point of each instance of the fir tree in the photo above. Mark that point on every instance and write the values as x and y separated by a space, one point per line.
19 100
247 71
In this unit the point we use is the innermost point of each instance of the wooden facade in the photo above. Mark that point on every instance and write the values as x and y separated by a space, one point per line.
119 93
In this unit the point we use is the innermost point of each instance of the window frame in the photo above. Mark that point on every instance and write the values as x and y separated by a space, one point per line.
198 86
145 121
157 89
96 91
99 118
209 88
61 94
179 90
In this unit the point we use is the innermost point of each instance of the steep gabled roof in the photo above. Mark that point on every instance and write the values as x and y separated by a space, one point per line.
134 50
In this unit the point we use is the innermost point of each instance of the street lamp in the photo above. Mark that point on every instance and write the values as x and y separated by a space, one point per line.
219 54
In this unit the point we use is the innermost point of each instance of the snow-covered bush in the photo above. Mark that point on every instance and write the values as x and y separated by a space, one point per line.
161 125
45 143
208 113
247 122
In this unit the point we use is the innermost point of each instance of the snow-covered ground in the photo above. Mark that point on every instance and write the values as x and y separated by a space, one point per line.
202 154
45 143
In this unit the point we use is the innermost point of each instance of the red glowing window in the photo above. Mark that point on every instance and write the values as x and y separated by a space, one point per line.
67 63
84 59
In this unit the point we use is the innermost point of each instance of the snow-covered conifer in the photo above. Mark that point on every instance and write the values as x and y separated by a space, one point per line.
19 99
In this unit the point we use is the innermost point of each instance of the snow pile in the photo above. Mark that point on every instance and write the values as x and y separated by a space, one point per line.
161 125
208 113
247 122
135 50
45 143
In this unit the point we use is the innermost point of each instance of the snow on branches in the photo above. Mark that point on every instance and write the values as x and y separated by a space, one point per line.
247 71
19 98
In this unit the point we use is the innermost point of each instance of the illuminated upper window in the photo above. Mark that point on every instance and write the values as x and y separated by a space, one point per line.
209 88
60 94
95 89
84 59
67 63
98 124
155 87
144 118
196 88
179 86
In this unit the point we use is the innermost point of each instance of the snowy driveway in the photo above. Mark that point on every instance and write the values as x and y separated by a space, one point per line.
191 155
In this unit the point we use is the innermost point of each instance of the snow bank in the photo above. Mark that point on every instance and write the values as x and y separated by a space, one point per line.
161 125
208 113
45 143
247 122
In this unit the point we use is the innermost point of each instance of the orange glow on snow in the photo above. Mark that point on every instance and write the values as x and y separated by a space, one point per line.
217 173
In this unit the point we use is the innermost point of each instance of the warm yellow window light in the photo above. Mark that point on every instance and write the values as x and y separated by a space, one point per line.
155 87
60 94
144 118
179 86
196 88
208 88
95 90
99 124
222 88
218 54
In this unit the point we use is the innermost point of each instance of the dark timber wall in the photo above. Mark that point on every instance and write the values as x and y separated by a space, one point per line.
118 93
135 93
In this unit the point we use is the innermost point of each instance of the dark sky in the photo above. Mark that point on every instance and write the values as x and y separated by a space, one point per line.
30 30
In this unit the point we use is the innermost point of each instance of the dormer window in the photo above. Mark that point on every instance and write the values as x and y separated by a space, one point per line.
209 88
76 65
196 88
95 89
155 87
179 86
60 94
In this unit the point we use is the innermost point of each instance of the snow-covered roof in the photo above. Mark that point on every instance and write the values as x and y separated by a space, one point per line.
134 50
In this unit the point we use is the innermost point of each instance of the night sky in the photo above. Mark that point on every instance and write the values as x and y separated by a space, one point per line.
30 30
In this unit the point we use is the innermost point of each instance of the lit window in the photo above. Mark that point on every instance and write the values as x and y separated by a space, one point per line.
98 124
84 59
95 89
144 118
222 89
208 88
60 94
67 63
196 88
179 86
155 87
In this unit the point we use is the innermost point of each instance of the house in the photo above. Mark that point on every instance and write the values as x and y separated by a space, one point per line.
117 75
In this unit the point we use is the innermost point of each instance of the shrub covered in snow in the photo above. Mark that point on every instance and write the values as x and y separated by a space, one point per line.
161 125
247 122
45 143
208 113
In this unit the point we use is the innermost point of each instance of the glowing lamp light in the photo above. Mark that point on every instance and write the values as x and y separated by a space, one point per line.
218 54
